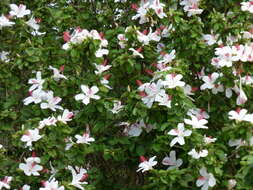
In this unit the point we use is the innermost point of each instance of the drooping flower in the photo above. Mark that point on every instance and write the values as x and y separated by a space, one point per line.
19 11
88 93
79 176
51 102
171 161
84 139
52 184
208 139
145 164
66 116
206 180
5 183
117 107
47 122
180 132
197 155
101 68
25 187
31 135
57 74
5 22
31 167
247 6
36 82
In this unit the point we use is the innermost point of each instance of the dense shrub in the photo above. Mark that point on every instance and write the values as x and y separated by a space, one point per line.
119 94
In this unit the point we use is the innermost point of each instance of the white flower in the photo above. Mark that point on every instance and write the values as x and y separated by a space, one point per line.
36 96
69 144
33 24
36 82
84 139
209 81
66 116
51 102
136 53
32 135
78 177
141 13
88 93
133 130
31 167
239 115
171 161
4 54
247 6
1 146
117 107
210 39
208 140
4 21
51 185
197 155
164 99
19 11
47 122
165 58
146 165
231 184
5 183
237 142
57 75
101 52
206 180
173 80
26 187
180 132
191 7
158 8
101 68
196 123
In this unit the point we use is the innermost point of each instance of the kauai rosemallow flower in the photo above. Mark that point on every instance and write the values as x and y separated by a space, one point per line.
197 122
145 164
88 93
171 161
19 11
239 115
206 180
5 22
47 122
180 132
79 175
51 185
36 82
5 183
84 139
198 155
25 187
57 74
117 107
66 116
31 167
173 80
30 136
247 6
51 102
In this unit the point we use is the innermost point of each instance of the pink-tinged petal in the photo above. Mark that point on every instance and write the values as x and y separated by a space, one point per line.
85 89
173 132
79 96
